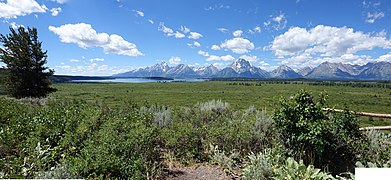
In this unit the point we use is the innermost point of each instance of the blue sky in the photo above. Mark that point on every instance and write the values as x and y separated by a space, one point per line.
104 37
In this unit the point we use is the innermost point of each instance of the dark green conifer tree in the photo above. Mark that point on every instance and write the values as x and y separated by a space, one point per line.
25 61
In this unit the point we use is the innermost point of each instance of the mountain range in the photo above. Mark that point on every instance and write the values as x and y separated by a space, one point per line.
242 68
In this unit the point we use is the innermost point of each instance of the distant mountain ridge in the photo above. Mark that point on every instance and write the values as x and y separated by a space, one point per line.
242 68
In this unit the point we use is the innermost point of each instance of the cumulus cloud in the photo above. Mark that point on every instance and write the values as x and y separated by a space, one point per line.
55 11
194 35
15 8
174 60
151 21
277 22
215 47
215 57
85 36
165 29
238 45
299 47
220 58
326 41
237 33
203 53
179 35
196 44
249 58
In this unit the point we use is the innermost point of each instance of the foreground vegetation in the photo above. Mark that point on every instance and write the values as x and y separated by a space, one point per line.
240 95
60 138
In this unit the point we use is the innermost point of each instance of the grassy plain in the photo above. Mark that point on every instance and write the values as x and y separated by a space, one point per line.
376 100
266 96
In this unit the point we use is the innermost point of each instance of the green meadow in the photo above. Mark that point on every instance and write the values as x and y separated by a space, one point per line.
265 96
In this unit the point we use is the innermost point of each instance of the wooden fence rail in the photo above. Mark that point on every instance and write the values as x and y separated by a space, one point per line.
369 115
361 113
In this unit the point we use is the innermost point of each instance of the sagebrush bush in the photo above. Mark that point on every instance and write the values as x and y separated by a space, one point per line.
161 114
260 166
217 106
378 151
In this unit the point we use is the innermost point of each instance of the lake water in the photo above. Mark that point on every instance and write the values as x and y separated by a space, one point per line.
140 80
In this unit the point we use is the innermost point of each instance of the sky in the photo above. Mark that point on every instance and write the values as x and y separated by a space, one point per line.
105 37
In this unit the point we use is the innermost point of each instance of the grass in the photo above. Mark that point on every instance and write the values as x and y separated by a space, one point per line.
266 96
376 100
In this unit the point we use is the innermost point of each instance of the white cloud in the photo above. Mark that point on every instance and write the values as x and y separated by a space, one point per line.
238 45
219 65
184 29
215 47
196 44
277 22
168 31
326 41
372 17
203 53
15 26
257 29
223 30
85 36
299 47
179 35
60 1
264 65
174 60
55 11
237 33
96 60
15 8
217 7
151 21
139 13
194 35
385 57
220 58
249 58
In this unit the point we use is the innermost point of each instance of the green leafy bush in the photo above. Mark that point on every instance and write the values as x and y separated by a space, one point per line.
327 140
90 140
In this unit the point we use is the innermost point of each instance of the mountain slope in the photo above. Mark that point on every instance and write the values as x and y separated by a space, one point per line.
332 71
284 72
376 71
243 68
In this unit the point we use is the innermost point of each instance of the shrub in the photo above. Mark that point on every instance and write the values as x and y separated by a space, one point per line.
328 141
161 115
378 151
259 167
293 170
